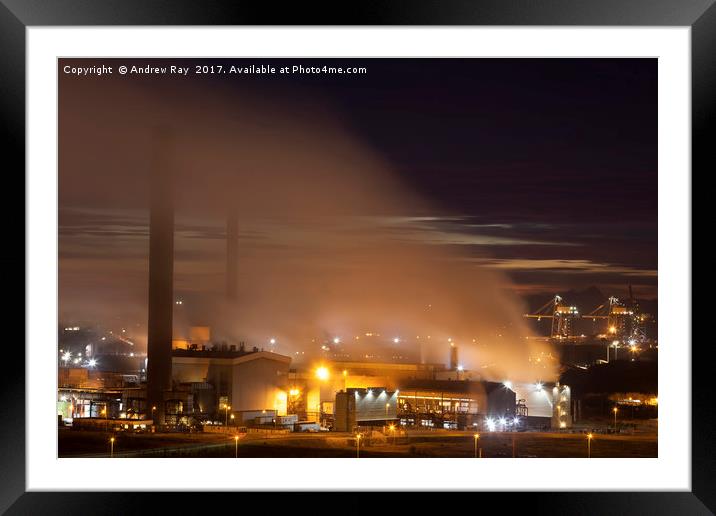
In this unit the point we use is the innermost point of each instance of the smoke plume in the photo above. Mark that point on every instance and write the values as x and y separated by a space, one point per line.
332 244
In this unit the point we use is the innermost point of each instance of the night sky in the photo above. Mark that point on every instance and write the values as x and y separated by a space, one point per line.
557 154
545 169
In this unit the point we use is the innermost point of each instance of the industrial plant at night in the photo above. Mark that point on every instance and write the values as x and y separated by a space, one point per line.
297 299
193 384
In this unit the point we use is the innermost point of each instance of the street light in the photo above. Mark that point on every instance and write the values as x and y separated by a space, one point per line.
477 439
111 447
589 445
226 414
358 436
236 446
615 410
392 429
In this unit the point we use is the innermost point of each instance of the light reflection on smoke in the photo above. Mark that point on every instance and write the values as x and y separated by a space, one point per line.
317 259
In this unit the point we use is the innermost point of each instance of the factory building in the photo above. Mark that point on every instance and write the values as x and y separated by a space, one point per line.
312 391
374 406
453 403
442 397
178 405
209 382
424 403
243 381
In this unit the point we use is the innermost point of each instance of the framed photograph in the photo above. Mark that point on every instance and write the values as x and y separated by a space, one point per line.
444 248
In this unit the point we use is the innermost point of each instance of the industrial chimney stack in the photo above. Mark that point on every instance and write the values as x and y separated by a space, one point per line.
453 357
232 254
161 277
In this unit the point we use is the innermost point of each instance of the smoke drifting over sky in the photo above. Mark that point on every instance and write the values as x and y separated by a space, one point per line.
332 241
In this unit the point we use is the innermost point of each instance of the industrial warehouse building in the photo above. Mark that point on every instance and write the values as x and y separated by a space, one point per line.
454 403
224 384
246 381
364 407
426 403
312 395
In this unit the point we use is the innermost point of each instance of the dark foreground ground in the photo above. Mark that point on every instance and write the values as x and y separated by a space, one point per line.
415 444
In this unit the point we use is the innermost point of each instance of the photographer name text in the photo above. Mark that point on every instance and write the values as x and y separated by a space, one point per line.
214 69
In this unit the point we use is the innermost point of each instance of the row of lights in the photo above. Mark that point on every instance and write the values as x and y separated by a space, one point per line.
67 356
492 424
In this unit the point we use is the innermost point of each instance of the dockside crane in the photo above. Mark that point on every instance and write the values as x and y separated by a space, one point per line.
623 321
561 314
609 311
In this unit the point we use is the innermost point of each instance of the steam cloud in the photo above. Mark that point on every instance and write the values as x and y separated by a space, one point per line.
332 244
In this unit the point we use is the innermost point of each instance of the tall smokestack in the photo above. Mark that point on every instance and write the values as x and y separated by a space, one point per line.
232 254
453 357
161 276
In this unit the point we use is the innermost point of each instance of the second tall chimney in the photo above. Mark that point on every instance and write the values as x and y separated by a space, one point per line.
453 357
232 254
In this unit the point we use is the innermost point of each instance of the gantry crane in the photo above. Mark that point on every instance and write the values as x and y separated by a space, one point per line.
561 314
622 320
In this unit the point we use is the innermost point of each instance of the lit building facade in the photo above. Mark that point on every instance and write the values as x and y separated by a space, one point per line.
374 406
242 381
453 403
561 407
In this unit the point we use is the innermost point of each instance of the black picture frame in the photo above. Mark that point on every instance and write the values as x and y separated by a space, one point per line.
17 15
